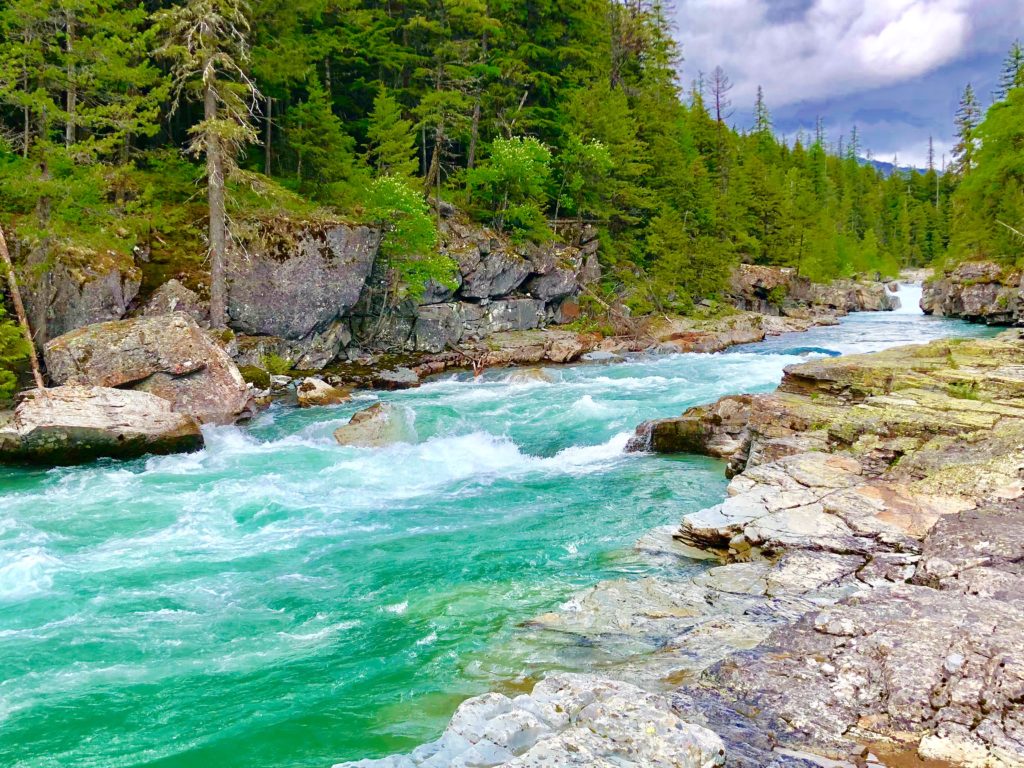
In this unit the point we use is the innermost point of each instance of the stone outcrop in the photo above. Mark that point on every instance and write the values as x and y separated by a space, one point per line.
780 291
569 721
74 423
500 286
69 287
379 425
297 282
897 480
173 297
168 356
979 291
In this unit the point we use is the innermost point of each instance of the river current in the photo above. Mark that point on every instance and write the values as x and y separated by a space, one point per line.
277 600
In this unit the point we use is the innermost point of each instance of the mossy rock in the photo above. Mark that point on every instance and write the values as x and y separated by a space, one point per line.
256 376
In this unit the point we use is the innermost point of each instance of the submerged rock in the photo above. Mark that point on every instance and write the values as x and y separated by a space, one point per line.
569 721
375 427
168 356
74 424
312 392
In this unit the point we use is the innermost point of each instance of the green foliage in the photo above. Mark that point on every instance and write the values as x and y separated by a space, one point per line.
391 139
276 365
325 157
512 184
13 352
410 236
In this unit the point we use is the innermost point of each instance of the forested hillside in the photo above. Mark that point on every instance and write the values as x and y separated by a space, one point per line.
162 129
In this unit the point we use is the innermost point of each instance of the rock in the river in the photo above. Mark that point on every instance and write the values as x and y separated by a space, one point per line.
73 424
173 297
168 356
69 287
379 425
313 392
569 721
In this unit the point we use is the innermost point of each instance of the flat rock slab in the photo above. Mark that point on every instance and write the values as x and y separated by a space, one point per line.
75 424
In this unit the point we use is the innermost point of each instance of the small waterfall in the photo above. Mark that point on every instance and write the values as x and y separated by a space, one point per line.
909 295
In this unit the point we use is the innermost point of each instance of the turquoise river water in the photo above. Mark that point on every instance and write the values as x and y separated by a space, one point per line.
276 600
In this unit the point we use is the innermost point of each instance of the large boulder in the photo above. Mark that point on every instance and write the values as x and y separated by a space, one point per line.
295 281
68 287
778 290
168 356
73 424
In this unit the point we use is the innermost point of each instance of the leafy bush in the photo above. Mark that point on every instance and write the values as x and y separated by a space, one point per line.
410 238
512 184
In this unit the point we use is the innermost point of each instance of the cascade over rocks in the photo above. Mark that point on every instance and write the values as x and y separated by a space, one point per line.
75 423
168 356
979 291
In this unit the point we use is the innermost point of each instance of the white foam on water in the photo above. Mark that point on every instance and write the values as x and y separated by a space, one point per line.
28 575
909 295
397 608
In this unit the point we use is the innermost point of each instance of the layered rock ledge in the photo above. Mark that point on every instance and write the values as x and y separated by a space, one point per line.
857 600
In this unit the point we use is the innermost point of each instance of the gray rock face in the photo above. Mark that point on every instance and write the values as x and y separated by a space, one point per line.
297 286
775 290
569 721
980 291
74 424
168 356
77 288
496 274
173 297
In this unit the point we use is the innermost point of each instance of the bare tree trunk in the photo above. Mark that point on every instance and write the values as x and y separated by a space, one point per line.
434 171
218 215
19 309
268 138
72 103
28 120
474 134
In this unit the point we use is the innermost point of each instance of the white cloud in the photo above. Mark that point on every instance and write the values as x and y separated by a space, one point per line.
831 48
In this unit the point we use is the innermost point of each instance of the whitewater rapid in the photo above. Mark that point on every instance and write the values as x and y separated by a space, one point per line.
276 599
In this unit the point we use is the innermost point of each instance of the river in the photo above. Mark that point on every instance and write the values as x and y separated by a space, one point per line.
276 600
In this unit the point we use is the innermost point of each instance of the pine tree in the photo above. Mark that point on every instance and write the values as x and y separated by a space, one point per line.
207 42
1012 74
391 138
968 116
324 150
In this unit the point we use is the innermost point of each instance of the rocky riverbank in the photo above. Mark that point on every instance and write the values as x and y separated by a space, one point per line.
978 291
861 601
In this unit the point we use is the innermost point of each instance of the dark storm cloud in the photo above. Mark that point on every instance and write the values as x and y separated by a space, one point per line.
893 67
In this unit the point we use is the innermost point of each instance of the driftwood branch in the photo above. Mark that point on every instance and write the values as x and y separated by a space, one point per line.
19 309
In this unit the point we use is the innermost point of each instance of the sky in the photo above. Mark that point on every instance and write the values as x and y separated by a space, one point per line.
894 68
